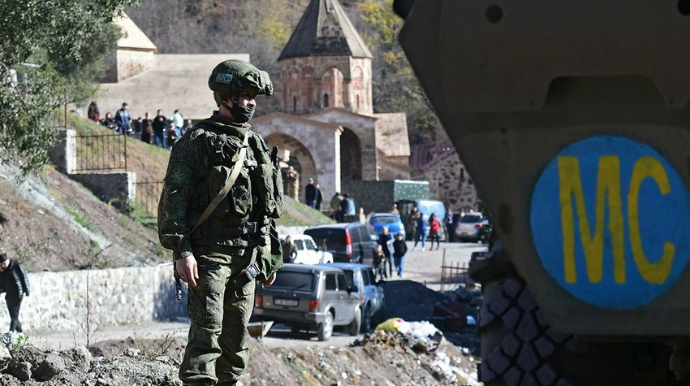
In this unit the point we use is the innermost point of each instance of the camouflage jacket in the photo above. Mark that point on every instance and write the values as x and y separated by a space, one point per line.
199 166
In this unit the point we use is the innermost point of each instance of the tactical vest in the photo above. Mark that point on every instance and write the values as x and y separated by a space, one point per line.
241 219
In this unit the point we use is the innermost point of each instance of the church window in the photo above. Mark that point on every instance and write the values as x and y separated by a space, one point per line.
325 100
294 103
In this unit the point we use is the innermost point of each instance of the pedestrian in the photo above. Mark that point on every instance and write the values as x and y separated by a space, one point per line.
146 128
399 252
232 240
319 198
386 243
378 263
123 120
293 183
178 122
139 126
434 229
394 209
412 219
450 227
347 205
160 124
335 206
14 282
310 193
93 112
420 231
109 122
171 134
289 250
187 126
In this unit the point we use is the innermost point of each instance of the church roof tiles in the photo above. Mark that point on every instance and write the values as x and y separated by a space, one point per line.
324 30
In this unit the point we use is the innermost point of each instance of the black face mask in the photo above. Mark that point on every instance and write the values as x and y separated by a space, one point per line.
242 114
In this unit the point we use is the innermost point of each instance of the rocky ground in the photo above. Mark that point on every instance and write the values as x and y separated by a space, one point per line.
377 358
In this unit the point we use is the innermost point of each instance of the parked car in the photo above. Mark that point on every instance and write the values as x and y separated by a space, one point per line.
370 291
391 220
473 227
348 242
426 207
310 297
308 252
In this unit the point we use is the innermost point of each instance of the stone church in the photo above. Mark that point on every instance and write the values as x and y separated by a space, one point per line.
329 126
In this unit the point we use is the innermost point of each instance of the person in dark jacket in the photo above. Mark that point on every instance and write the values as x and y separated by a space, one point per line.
14 281
399 252
386 243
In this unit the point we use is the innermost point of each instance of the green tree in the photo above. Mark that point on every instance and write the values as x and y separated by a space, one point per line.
395 87
51 49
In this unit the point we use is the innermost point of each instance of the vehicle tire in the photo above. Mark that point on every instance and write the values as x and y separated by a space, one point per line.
366 319
325 328
518 346
356 323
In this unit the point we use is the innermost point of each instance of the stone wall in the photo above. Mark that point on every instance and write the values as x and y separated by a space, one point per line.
450 183
109 186
61 301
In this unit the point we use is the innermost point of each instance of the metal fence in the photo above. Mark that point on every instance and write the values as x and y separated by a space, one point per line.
148 194
101 152
453 274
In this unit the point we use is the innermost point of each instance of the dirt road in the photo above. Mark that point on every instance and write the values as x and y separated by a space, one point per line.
421 266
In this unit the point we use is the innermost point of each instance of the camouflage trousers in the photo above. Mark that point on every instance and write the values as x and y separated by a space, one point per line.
219 309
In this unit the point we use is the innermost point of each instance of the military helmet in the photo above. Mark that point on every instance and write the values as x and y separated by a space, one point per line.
237 76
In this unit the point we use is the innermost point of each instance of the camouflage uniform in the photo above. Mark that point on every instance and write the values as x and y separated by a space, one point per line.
239 232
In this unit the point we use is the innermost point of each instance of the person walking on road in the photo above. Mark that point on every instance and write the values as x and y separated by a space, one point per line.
386 243
222 243
420 231
434 229
399 252
14 282
378 262
289 250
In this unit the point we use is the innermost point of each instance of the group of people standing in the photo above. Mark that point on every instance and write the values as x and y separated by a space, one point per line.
160 130
419 223
389 251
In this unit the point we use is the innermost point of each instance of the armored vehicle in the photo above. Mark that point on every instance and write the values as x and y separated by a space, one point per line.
572 117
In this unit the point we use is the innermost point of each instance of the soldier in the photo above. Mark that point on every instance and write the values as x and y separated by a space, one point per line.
216 214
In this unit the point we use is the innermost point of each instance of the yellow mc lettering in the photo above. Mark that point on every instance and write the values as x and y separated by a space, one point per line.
608 187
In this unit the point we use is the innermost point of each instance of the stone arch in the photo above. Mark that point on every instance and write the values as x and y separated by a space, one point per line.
300 158
350 155
332 83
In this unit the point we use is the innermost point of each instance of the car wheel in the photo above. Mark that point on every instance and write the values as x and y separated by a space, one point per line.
325 328
356 322
366 319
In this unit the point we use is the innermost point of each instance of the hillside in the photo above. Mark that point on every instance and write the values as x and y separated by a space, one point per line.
50 222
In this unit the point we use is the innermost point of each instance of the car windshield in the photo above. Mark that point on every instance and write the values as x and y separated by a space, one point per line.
348 276
294 280
470 219
330 239
385 219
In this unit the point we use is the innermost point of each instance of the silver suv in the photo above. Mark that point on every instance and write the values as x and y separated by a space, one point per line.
310 297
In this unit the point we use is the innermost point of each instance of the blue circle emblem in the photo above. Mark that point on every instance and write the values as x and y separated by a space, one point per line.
610 220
